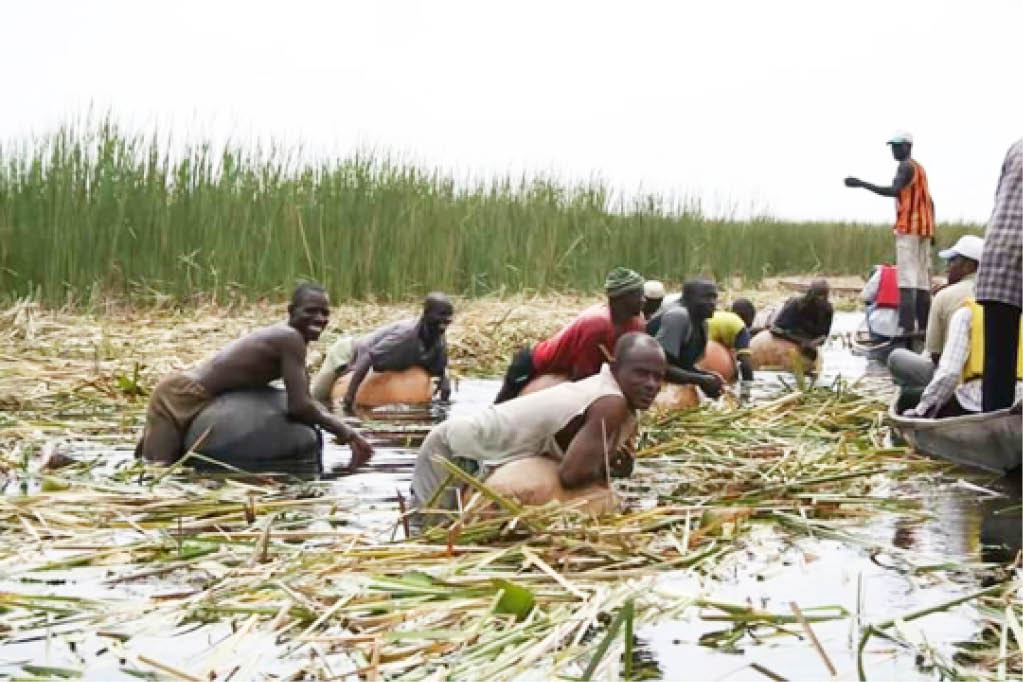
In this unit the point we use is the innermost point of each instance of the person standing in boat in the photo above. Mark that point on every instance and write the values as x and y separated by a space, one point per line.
274 352
579 349
957 386
914 232
1000 282
917 369
412 342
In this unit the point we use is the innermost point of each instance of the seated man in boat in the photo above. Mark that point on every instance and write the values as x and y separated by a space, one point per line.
881 296
909 369
653 296
274 352
579 349
581 424
730 328
806 320
412 342
680 327
956 388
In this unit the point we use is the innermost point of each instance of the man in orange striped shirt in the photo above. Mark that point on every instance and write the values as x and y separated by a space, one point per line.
914 232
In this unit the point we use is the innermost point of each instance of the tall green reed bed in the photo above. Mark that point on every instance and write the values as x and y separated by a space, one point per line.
92 209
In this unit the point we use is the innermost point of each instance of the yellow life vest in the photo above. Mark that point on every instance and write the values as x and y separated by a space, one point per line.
974 366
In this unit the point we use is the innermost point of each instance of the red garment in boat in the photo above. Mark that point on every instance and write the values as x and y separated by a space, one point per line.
888 288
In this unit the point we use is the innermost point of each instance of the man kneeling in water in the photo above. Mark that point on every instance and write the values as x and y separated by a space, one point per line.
579 424
391 348
252 361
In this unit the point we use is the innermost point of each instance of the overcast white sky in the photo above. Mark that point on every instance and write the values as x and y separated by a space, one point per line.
749 104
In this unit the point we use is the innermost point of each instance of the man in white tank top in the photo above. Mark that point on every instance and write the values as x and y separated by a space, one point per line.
574 422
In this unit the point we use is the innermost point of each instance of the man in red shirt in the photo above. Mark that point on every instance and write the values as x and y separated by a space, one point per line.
585 343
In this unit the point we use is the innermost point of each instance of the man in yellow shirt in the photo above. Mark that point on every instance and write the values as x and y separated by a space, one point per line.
731 330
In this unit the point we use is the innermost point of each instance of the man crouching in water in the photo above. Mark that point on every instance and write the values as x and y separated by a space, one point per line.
252 361
575 423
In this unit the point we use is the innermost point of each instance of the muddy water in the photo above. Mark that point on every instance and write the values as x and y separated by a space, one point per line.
963 526
769 571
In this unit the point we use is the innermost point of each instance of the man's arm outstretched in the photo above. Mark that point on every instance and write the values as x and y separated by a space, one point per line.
902 178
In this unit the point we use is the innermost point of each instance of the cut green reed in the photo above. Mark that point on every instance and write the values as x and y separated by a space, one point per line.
117 566
93 210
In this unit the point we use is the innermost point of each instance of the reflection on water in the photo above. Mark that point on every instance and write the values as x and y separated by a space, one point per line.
962 526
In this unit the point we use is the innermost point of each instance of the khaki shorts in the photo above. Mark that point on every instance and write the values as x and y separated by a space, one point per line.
913 261
175 402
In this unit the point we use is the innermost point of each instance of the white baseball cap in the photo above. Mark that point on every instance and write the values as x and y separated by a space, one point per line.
969 246
901 137
653 289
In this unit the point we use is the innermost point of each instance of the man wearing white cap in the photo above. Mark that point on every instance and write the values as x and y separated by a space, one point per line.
653 296
914 231
962 259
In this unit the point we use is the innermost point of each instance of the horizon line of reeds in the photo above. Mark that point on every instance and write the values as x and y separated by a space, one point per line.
91 210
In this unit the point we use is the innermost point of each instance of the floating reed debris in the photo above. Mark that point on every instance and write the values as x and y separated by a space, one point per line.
108 566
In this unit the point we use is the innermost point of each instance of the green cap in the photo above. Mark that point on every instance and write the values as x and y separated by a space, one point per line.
622 281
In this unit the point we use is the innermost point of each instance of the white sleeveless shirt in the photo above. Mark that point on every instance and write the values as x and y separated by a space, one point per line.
526 426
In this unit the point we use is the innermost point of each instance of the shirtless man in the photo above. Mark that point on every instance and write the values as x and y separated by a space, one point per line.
576 423
680 326
252 361
391 348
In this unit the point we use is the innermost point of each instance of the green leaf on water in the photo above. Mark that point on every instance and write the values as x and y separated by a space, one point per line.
516 599
419 578
51 671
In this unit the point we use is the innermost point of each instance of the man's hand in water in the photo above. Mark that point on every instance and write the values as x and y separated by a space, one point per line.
362 451
853 182
712 384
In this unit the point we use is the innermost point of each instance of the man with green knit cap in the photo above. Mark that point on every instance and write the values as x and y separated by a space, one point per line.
585 343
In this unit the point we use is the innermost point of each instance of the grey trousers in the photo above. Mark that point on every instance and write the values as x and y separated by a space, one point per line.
909 369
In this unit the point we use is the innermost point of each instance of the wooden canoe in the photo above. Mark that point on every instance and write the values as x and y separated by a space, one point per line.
992 441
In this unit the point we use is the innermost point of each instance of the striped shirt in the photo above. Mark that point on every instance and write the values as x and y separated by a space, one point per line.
914 210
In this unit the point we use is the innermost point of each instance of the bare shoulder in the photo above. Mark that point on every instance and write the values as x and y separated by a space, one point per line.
282 337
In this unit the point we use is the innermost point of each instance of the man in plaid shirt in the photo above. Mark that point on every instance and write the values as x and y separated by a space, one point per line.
999 285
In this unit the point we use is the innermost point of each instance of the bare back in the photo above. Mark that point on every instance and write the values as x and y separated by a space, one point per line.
251 361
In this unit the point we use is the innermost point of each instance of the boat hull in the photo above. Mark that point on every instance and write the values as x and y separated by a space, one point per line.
992 441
